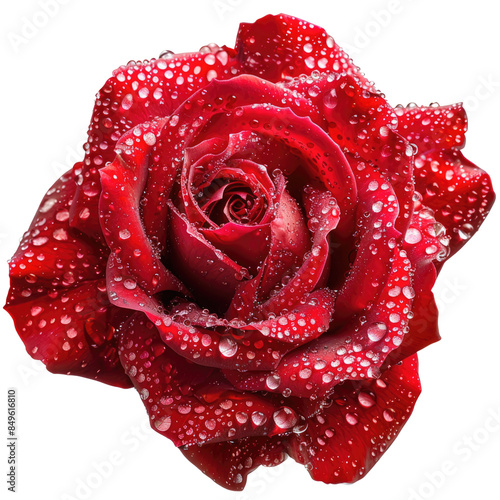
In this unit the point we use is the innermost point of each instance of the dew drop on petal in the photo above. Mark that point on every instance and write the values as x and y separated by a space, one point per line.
273 381
377 331
351 418
258 418
163 423
413 236
124 234
365 399
285 418
228 347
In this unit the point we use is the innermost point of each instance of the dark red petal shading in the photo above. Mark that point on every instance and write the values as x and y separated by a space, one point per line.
344 442
459 193
433 127
58 294
228 463
203 164
134 94
209 274
292 269
282 46
190 403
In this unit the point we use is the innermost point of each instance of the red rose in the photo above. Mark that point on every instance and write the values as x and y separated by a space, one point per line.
251 241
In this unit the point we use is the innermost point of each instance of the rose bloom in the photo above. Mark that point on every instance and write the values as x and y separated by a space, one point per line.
251 241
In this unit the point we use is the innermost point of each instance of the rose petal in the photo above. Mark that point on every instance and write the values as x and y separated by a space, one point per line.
460 193
375 240
123 183
426 244
58 294
324 215
229 463
210 274
433 127
273 48
189 403
344 442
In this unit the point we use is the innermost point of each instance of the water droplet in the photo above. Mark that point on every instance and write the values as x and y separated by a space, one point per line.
127 102
377 331
389 415
273 381
124 234
149 138
228 347
163 423
258 418
330 99
241 417
167 54
285 418
210 424
366 400
210 59
41 240
36 310
351 418
413 236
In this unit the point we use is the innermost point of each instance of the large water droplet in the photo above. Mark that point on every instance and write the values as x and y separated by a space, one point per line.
163 423
273 381
285 418
228 347
366 400
377 331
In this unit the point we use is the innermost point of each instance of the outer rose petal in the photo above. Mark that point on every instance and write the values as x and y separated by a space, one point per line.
342 443
433 127
273 48
58 294
229 463
460 193
190 403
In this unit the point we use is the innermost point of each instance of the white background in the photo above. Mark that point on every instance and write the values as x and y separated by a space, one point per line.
422 51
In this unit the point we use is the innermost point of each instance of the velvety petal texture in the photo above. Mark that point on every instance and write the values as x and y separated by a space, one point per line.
250 241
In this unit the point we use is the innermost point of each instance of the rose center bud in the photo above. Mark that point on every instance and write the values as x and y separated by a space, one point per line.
232 201
220 224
